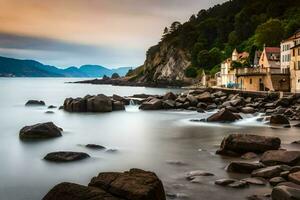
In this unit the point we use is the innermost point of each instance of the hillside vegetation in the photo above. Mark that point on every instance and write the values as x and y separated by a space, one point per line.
211 35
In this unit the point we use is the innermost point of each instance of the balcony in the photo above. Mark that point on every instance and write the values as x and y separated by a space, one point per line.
259 71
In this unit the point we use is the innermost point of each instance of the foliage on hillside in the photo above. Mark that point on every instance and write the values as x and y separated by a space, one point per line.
211 35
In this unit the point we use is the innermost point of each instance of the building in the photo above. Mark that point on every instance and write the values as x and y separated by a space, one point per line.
295 68
267 76
285 50
228 72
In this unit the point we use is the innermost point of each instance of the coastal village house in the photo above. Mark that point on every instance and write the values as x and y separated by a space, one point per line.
295 68
289 60
267 76
228 72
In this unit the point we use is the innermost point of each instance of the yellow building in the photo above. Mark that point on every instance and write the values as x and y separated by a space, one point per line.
295 68
267 76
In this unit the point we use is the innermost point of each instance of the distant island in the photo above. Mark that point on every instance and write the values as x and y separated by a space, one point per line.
10 67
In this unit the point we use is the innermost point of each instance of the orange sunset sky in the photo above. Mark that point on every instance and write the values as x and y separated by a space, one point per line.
65 33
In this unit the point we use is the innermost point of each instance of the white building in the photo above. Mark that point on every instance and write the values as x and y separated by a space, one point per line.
285 51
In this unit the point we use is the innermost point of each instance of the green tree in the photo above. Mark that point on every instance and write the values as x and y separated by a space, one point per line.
203 59
191 72
270 33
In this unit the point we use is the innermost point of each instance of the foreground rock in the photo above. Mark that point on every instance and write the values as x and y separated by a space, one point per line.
285 193
223 115
65 156
99 103
135 184
270 172
40 131
72 191
35 103
237 144
277 157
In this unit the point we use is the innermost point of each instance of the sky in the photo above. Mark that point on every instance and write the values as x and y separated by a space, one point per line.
112 33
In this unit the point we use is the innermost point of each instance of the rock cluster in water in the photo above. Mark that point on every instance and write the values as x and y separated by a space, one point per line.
97 103
281 168
40 131
134 184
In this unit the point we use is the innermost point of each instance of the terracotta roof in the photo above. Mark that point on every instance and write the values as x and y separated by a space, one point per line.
272 49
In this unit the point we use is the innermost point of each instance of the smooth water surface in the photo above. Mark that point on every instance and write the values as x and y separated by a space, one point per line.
143 139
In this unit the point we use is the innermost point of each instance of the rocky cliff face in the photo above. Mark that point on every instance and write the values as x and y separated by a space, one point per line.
165 65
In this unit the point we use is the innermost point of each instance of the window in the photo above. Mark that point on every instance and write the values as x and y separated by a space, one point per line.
298 65
298 80
298 51
250 80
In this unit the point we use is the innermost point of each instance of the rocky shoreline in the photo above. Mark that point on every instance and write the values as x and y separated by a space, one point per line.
126 82
276 167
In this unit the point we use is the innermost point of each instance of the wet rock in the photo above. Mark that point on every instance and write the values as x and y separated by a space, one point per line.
285 193
284 102
176 162
118 105
95 146
134 184
248 110
153 104
40 131
35 103
212 106
169 96
270 172
51 107
284 174
99 103
168 104
276 157
49 112
193 174
255 181
126 101
72 191
276 180
289 184
249 156
279 120
65 156
224 115
238 184
243 143
202 105
75 105
225 182
200 110
204 97
295 169
294 177
193 100
243 167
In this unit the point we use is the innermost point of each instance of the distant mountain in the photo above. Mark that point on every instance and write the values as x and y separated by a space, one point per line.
30 68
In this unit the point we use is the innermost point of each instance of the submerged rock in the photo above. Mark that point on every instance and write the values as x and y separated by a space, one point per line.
65 156
35 103
95 146
224 115
255 181
243 143
40 131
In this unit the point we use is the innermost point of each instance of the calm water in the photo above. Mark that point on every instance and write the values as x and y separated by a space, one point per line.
143 139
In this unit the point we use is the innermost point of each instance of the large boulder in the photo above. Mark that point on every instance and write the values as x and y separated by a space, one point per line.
224 115
75 105
277 157
72 191
35 103
65 156
285 193
153 104
134 184
40 131
279 120
169 96
243 143
99 103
